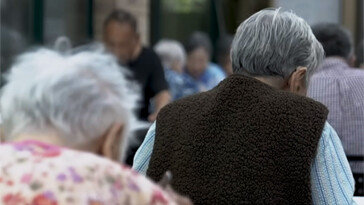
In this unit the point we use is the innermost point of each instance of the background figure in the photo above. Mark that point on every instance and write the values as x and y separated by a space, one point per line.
341 88
200 74
360 55
223 53
62 44
122 39
81 102
12 44
173 57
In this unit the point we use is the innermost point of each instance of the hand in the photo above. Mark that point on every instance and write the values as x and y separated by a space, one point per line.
165 183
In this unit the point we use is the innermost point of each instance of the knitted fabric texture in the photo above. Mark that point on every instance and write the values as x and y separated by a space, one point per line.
242 142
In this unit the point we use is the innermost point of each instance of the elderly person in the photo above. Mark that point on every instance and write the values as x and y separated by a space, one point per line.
200 74
341 88
254 138
79 101
173 57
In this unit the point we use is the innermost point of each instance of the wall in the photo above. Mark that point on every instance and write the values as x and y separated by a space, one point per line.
313 11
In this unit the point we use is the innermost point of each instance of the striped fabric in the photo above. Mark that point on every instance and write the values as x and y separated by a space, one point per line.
331 178
341 89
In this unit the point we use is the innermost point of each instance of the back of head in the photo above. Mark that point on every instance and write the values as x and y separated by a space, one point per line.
170 51
199 40
78 97
334 38
274 43
122 16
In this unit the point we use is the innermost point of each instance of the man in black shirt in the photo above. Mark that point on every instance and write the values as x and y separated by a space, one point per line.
122 39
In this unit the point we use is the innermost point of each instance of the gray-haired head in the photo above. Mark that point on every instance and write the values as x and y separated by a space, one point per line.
78 97
170 51
274 43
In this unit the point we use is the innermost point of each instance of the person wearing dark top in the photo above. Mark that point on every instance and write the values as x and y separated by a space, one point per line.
121 38
148 71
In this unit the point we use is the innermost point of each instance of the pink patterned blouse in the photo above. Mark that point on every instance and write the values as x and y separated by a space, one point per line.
34 173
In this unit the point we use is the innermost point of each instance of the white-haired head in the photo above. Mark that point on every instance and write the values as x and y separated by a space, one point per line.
78 96
170 52
274 43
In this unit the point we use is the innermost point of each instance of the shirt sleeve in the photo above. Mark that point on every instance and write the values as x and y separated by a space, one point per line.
144 153
157 81
332 181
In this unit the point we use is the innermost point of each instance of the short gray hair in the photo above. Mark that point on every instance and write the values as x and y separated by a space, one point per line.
78 96
170 51
274 43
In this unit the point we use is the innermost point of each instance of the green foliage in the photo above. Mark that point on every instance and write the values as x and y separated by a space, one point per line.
184 6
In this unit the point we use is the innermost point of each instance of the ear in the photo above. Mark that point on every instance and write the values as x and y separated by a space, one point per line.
352 60
111 143
297 81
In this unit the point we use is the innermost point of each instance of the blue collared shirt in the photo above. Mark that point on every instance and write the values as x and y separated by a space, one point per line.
331 179
212 76
182 85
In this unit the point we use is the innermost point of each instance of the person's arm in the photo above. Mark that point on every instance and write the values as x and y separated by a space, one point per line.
159 87
160 100
332 181
144 153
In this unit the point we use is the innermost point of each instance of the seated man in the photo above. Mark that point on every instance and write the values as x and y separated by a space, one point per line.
122 39
254 138
341 88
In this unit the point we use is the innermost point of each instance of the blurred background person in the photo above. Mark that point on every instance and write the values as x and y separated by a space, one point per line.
200 73
81 102
223 53
12 44
121 38
360 55
341 88
173 57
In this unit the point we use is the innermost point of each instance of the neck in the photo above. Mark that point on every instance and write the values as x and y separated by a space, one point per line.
275 82
54 139
137 52
49 138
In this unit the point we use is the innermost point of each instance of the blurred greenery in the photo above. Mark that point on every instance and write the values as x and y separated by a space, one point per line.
184 6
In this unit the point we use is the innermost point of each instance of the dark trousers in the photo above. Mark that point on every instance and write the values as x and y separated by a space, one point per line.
359 185
134 146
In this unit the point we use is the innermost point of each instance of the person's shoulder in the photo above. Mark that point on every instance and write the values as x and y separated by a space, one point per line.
190 104
149 53
355 73
215 69
298 102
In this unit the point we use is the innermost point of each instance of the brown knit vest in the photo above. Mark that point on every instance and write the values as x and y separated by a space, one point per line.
243 142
